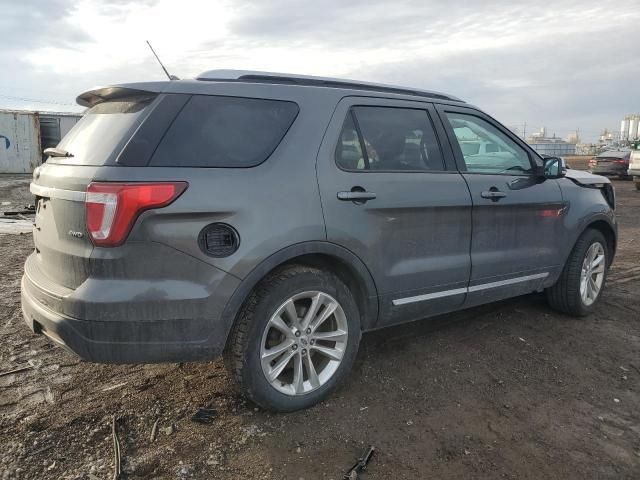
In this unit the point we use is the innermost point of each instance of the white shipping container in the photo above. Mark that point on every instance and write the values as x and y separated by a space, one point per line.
19 142
24 134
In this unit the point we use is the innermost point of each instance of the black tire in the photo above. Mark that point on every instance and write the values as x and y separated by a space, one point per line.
564 296
242 355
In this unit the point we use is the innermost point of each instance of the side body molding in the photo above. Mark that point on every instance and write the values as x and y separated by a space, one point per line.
348 259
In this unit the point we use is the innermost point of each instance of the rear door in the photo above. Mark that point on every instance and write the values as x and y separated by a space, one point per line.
517 216
391 195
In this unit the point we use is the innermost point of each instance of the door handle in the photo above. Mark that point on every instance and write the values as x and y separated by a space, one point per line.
356 196
492 194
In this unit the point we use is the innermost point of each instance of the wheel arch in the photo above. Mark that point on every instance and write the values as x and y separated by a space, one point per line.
325 255
609 232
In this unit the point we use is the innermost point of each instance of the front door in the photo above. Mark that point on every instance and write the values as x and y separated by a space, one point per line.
392 196
517 215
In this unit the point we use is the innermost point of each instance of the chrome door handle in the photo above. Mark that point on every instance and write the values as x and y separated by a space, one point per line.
356 196
494 195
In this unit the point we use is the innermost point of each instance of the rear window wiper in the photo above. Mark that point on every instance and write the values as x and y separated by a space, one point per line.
57 152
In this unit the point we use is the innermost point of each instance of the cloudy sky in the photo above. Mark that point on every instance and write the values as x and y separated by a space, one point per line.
565 65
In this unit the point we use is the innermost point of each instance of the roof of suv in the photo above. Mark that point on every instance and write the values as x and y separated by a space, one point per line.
97 95
249 76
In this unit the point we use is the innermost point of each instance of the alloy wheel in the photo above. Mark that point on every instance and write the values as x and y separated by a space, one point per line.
303 343
592 273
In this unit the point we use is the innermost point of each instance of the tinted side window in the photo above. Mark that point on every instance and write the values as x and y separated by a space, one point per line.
485 148
389 139
213 131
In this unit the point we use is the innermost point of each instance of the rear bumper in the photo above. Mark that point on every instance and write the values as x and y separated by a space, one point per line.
610 170
634 171
119 342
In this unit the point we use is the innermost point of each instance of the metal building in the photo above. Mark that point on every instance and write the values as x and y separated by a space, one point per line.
25 134
554 148
634 123
630 127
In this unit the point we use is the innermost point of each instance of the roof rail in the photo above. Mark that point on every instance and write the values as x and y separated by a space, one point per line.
248 76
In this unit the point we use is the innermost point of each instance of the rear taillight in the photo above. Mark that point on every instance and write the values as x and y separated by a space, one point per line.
112 208
621 162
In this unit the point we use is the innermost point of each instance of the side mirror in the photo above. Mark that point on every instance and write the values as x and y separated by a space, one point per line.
554 167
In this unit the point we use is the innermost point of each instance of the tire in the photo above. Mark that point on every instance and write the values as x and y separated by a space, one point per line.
254 330
565 295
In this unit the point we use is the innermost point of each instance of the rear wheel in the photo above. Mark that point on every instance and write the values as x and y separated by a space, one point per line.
295 339
583 278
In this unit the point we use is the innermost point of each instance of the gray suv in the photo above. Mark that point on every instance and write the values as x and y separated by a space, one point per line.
273 218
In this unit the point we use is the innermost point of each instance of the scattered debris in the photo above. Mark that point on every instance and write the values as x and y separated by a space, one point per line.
18 212
117 467
154 431
35 363
113 387
616 400
522 339
360 465
14 226
17 370
204 415
168 430
362 409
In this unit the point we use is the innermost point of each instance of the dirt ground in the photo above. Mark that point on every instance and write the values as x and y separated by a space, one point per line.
510 390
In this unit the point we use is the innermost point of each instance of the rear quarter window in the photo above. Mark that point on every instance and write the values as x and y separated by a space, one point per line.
103 130
216 131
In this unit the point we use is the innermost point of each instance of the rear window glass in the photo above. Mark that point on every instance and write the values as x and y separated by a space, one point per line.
214 131
102 129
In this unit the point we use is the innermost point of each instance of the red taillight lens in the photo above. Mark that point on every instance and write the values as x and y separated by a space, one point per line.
112 208
621 162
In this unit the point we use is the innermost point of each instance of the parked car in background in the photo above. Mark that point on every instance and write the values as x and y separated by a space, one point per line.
634 165
611 163
272 219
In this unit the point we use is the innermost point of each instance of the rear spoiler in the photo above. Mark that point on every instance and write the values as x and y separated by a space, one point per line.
95 96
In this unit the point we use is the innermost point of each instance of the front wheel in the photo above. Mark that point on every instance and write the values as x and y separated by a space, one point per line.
296 337
583 278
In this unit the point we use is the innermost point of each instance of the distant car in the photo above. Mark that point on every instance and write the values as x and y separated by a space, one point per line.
634 167
612 163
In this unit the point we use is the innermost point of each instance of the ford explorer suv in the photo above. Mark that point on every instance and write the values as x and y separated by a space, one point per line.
272 219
